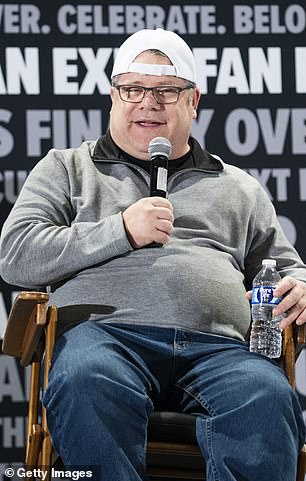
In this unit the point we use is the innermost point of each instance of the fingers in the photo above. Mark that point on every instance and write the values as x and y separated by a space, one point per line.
149 220
285 285
293 304
160 202
294 314
161 213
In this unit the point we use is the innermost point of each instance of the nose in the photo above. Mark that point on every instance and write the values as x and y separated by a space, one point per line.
149 100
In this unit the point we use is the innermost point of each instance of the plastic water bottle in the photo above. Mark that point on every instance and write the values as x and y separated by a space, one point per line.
266 335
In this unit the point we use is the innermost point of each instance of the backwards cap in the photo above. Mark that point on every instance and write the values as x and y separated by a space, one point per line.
171 44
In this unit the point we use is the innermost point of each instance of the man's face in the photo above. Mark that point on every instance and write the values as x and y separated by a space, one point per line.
134 125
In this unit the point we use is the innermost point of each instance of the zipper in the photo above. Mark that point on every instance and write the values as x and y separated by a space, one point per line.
147 176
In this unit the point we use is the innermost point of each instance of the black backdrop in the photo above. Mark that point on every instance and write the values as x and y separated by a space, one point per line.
55 63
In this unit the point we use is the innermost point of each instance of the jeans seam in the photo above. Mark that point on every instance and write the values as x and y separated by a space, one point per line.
199 399
53 412
210 450
208 424
149 401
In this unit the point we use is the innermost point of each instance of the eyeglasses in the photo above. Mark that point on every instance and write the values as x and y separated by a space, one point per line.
163 95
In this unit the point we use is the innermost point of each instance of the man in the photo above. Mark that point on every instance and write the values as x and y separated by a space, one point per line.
146 328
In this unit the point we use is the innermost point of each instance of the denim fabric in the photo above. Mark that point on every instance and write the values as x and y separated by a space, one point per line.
105 380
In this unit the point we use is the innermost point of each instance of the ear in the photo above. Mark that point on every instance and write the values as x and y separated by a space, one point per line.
196 98
195 102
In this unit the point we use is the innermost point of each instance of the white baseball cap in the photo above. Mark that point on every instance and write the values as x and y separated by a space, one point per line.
171 44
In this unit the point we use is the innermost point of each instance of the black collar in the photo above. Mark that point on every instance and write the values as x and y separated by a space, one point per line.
106 150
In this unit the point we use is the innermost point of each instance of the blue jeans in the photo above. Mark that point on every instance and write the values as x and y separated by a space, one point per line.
105 380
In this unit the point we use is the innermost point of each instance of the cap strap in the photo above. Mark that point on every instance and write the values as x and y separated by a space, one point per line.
149 69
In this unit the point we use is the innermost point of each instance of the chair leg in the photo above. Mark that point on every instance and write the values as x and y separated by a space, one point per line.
34 446
35 436
301 471
46 455
46 451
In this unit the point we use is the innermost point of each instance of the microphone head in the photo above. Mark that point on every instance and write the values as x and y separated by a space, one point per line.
160 146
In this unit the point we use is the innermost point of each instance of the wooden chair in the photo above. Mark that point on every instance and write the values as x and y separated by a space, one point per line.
173 452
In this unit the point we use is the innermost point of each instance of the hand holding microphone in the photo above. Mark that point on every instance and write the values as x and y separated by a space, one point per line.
150 220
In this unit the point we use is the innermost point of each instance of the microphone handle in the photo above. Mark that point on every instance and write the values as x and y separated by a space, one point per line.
158 183
159 176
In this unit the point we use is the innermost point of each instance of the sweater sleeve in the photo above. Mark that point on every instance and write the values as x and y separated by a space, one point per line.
268 240
41 243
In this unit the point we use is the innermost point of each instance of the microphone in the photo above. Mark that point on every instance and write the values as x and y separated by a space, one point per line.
159 149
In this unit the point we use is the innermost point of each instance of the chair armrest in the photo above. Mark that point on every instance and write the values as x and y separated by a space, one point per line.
25 326
294 338
300 337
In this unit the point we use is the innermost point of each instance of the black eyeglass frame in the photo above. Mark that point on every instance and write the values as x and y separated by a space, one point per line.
178 90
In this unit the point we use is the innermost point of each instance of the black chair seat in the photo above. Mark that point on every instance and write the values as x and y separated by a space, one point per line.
172 445
172 427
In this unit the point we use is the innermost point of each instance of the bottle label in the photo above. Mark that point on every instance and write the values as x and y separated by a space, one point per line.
264 295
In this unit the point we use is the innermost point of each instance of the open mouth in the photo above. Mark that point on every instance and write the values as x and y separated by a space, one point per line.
148 123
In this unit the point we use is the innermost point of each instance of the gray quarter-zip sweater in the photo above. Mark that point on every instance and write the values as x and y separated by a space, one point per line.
66 233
